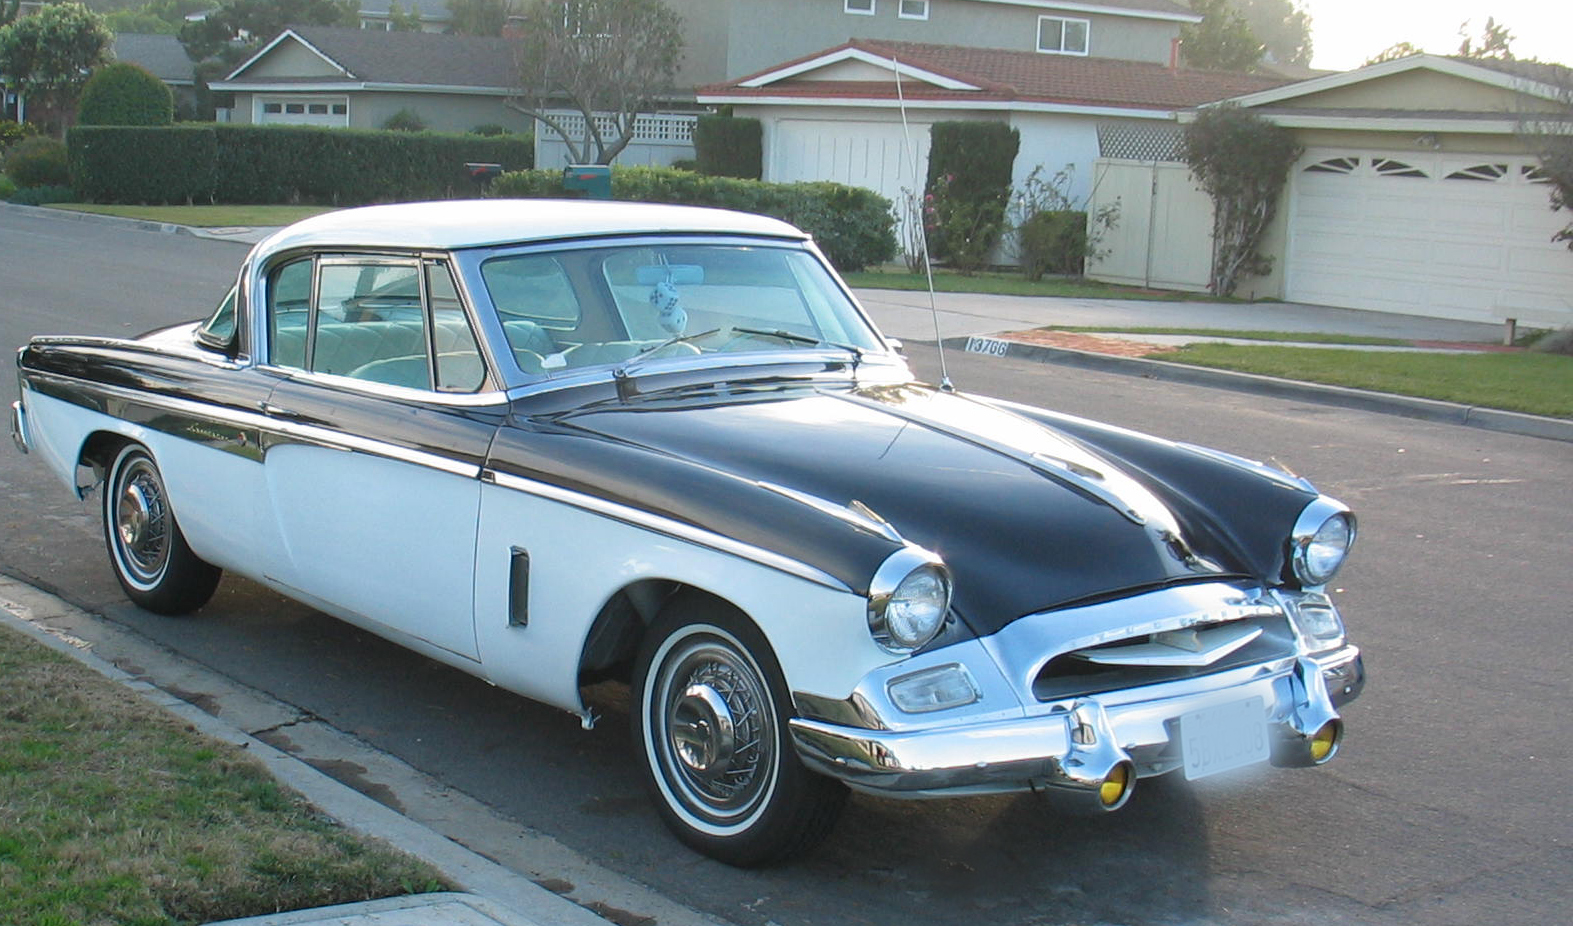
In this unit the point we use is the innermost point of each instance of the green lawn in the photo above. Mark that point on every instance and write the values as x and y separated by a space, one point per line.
1302 337
1540 384
114 812
203 216
1007 284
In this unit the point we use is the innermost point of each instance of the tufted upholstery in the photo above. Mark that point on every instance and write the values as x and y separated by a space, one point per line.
345 348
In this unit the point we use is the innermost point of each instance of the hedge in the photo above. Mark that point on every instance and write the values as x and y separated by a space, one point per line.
853 226
280 164
729 147
978 159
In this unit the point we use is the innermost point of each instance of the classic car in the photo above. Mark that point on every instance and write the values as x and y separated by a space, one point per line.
551 443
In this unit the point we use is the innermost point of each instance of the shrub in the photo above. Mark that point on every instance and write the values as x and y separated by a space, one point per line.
281 164
405 120
970 165
125 94
1053 242
852 225
688 164
728 147
490 129
7 188
1555 342
13 132
43 195
37 161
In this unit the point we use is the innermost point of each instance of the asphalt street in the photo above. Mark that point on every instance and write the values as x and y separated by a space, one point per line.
1451 802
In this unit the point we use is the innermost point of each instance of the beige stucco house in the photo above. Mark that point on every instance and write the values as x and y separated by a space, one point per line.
1418 193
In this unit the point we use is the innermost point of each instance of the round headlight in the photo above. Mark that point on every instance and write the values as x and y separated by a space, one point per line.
1321 541
908 600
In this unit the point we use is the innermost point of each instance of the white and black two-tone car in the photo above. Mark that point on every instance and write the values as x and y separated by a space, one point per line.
545 442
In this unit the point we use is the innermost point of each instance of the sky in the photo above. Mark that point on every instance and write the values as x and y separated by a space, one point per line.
1344 33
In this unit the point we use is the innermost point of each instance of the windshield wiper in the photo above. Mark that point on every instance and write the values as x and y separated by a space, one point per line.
622 369
799 339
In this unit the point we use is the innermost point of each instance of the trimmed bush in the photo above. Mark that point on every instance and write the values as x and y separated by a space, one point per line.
144 164
970 166
405 120
37 161
1053 242
852 225
490 129
43 195
125 94
728 147
7 188
281 164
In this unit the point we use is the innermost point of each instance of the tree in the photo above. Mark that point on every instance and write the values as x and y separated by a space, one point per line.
1550 136
1494 41
8 11
1395 51
233 30
1222 41
1283 28
400 21
48 56
479 17
164 17
1242 161
608 60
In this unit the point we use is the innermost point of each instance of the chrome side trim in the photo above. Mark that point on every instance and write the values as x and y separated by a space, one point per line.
386 391
667 526
1281 476
857 514
312 434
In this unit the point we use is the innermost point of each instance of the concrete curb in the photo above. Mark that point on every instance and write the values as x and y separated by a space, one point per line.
1424 409
510 899
167 228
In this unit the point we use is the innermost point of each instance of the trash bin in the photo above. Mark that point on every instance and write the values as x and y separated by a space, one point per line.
594 179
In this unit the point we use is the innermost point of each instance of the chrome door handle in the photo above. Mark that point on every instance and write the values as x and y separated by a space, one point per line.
279 411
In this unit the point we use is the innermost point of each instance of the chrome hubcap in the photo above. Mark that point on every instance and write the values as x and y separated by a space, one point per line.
716 729
141 520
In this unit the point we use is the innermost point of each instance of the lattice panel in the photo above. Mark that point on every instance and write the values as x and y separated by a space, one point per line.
1139 142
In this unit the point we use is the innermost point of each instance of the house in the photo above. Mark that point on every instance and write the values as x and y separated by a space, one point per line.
377 15
331 76
165 58
730 38
859 113
1417 193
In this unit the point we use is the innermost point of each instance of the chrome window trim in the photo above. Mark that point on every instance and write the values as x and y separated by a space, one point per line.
388 391
604 375
663 525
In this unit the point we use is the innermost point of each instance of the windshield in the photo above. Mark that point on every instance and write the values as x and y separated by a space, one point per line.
571 309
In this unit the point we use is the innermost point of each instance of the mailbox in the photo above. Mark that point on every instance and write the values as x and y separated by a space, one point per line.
483 174
595 180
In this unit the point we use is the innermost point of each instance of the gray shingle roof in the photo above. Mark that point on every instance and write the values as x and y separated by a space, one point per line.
426 58
163 55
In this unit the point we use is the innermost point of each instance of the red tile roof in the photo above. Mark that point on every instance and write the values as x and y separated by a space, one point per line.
1014 76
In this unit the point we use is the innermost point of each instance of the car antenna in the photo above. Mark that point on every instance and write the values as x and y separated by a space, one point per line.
923 232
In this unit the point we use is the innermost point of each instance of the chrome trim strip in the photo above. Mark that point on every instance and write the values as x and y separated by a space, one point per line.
851 515
19 435
1266 470
306 433
664 525
388 391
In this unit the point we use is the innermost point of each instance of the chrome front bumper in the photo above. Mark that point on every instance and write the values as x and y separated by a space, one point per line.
1074 747
19 433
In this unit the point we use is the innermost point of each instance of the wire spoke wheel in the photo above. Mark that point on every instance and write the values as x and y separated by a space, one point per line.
152 561
142 521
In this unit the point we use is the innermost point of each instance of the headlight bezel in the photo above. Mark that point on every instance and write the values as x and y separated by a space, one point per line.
1304 562
907 563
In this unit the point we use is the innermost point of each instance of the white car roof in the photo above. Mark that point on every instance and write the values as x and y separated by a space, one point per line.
451 224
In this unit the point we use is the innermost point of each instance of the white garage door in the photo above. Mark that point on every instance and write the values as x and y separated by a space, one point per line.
1455 236
872 155
312 110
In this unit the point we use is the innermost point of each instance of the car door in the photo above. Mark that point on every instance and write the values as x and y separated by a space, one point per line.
384 412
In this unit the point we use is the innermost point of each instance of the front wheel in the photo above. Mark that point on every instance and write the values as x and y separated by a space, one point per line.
710 722
155 567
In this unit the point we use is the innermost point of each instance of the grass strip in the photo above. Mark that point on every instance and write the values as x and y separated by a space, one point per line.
113 811
1539 384
1006 284
1303 337
202 216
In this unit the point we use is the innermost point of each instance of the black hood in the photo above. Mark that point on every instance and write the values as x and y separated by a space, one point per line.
1026 517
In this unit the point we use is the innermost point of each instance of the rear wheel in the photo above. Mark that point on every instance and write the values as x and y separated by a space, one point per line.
155 567
710 722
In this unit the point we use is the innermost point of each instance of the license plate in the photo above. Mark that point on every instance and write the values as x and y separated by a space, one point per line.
1228 736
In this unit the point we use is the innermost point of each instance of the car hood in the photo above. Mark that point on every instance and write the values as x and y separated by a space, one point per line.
1027 518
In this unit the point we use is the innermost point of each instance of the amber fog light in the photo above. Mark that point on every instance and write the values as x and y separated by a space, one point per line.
1324 742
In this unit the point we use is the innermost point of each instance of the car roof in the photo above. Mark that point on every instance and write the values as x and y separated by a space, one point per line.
452 224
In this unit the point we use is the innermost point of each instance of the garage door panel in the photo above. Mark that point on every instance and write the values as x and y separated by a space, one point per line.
1470 239
856 153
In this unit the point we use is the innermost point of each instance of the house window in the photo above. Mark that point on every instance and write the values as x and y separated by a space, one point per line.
317 109
1060 36
1387 167
341 109
913 9
860 7
273 109
314 109
1483 172
295 109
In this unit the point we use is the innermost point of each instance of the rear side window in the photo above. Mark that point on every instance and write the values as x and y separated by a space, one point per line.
289 308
